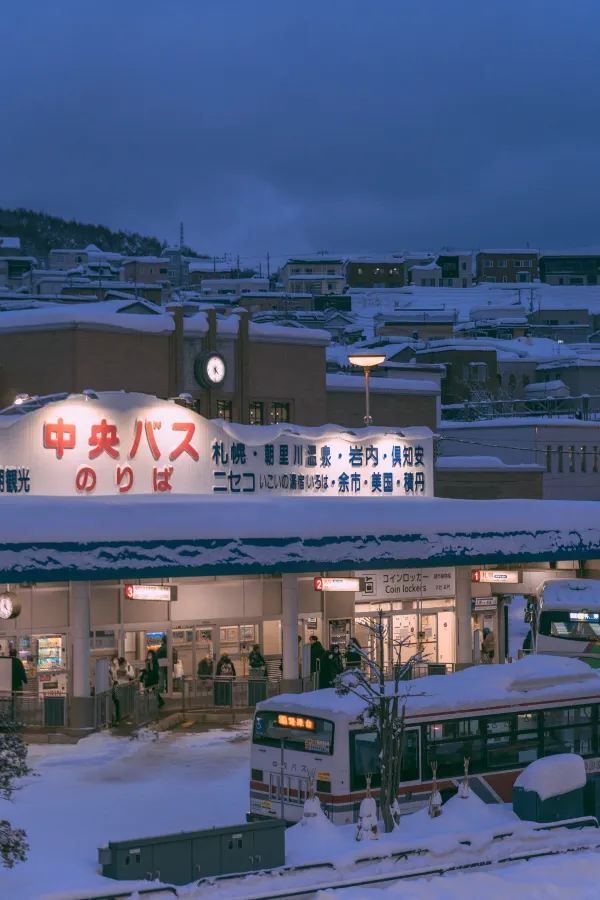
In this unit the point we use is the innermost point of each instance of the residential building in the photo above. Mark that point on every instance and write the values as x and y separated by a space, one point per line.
509 265
375 272
314 275
10 246
417 324
16 270
200 269
428 274
471 371
457 268
71 257
147 269
577 267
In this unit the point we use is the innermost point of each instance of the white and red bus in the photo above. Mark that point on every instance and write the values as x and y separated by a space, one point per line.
502 717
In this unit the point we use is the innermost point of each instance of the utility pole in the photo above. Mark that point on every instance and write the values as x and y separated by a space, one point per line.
268 265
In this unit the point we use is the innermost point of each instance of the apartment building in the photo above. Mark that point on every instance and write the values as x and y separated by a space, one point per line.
314 275
507 266
375 272
579 267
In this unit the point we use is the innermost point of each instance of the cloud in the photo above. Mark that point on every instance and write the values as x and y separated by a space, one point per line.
289 126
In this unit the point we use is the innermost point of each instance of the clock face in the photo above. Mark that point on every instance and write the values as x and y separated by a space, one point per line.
6 606
215 368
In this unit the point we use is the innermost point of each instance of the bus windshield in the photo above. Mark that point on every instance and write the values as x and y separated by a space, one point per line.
308 734
570 625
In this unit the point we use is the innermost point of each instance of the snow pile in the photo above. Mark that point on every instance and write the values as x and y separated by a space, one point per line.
553 775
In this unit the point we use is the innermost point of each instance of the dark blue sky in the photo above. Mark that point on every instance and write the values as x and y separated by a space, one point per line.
307 124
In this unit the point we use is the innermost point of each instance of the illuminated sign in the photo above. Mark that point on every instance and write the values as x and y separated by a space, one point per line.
337 584
407 584
493 576
122 444
150 592
584 617
301 722
478 603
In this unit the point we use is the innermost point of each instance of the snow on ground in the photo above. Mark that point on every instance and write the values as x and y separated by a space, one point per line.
555 878
109 788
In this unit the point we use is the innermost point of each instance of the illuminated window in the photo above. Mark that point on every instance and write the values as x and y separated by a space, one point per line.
225 410
280 412
256 414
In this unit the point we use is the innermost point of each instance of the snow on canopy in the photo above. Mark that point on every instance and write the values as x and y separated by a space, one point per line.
571 594
50 538
553 776
534 679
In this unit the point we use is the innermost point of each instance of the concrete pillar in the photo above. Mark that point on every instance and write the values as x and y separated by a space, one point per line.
464 636
289 632
82 703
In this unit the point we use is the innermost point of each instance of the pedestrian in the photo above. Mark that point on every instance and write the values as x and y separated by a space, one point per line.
225 667
163 663
316 653
123 674
353 654
256 662
149 677
205 667
488 646
332 665
19 676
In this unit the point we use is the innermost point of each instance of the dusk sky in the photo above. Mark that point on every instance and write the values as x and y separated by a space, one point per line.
307 124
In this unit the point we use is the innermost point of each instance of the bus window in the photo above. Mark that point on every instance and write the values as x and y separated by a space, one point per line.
512 741
570 625
364 758
569 731
450 742
308 734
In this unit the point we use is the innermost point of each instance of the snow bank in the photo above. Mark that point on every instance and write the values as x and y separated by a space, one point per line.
553 775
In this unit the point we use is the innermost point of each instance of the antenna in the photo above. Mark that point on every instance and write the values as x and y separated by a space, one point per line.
181 235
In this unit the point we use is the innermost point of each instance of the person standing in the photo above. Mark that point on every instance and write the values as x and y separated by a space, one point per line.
316 653
353 654
332 665
256 662
163 663
225 667
488 646
19 676
149 676
205 667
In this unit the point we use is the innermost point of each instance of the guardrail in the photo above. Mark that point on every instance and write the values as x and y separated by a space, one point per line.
125 702
227 691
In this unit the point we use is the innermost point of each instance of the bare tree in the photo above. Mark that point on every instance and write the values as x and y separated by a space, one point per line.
385 709
13 764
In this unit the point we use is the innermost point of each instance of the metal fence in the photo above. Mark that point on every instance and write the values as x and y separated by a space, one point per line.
227 691
25 708
125 702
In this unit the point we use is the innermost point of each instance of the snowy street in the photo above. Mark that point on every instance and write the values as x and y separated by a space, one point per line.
107 788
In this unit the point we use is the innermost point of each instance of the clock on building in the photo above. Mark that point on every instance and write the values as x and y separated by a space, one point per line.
9 608
210 369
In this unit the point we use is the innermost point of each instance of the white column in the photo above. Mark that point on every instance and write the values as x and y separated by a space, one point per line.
464 632
79 620
289 632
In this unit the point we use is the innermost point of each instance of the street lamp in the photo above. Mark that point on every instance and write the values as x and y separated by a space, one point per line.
366 361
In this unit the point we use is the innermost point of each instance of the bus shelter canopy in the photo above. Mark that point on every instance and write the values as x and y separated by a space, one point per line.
100 538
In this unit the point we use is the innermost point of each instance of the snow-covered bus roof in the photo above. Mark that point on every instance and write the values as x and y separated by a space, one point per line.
481 690
579 593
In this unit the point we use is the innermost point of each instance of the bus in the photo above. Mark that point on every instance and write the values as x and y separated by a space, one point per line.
502 717
565 619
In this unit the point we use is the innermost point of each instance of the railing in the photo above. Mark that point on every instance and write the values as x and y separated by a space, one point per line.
25 708
226 691
131 705
584 407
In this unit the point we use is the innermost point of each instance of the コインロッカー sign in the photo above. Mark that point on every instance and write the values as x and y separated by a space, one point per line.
130 444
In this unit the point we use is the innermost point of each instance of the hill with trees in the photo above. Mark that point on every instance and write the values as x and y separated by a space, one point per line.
40 232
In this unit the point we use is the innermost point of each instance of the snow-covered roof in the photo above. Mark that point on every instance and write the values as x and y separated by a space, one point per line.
534 679
380 385
524 251
107 314
207 265
10 243
62 538
146 259
554 775
571 593
316 277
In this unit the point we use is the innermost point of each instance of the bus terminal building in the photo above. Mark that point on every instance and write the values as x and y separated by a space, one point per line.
127 518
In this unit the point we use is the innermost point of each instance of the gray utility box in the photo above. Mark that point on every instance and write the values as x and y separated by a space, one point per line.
188 856
528 806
